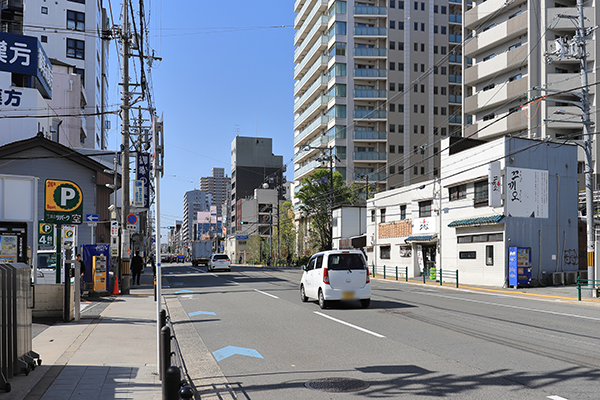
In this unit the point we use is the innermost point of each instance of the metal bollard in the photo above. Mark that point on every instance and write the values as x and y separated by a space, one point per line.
165 348
406 275
171 384
163 318
186 392
396 273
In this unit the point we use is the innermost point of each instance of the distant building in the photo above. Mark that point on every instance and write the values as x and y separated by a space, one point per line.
218 186
194 201
252 164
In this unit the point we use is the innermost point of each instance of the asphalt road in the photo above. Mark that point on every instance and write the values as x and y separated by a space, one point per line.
414 341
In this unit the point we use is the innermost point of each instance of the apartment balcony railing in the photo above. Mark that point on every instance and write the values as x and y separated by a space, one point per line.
369 114
455 38
369 155
369 93
370 10
455 98
373 176
455 78
316 105
455 58
308 167
455 119
370 73
319 84
322 121
369 52
369 135
369 31
456 18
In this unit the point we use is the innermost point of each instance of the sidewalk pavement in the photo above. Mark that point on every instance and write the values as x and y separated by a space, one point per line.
106 356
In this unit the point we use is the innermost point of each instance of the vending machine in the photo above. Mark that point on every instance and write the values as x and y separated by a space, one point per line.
99 274
519 266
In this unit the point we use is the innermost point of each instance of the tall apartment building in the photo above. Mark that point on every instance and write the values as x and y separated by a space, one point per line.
71 32
194 201
511 44
380 82
252 164
218 186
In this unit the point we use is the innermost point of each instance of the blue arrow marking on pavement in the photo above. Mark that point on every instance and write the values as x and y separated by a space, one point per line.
192 314
233 350
183 291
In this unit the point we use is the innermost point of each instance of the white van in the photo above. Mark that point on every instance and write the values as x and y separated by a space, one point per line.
336 275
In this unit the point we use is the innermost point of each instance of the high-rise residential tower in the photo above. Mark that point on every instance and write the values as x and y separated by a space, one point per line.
380 82
523 50
194 201
218 186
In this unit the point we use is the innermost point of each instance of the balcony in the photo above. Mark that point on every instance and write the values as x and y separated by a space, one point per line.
319 123
373 177
562 24
369 94
455 78
310 57
369 114
455 119
455 98
369 156
315 34
302 17
369 31
455 18
301 172
455 58
369 135
317 67
493 98
500 64
455 38
319 84
309 113
494 37
369 52
370 10
370 73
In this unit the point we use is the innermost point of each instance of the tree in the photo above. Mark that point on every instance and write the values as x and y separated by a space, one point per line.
318 200
287 231
255 247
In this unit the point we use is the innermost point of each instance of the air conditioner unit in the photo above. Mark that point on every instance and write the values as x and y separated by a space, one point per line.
571 277
558 278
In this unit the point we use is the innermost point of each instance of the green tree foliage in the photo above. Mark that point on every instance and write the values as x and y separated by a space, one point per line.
317 201
254 248
287 231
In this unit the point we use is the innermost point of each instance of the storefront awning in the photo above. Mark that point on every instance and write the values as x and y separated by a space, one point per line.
421 238
490 220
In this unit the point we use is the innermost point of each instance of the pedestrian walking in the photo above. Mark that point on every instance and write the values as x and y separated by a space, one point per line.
137 265
82 273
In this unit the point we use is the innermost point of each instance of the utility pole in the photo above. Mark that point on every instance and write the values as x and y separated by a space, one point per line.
587 134
124 273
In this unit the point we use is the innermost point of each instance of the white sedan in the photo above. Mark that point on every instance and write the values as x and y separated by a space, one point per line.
219 261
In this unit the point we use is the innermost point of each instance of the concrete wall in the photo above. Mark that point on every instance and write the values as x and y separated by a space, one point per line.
49 301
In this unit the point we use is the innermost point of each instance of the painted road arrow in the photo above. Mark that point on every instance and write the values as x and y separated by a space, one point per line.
183 291
233 350
192 314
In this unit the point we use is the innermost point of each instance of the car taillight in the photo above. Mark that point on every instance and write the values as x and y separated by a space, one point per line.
368 276
325 275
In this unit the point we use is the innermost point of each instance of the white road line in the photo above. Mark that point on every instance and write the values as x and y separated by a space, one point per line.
556 398
234 282
350 325
515 307
265 293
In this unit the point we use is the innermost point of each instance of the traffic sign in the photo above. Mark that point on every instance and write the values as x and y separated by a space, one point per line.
132 219
92 217
63 202
114 228
45 234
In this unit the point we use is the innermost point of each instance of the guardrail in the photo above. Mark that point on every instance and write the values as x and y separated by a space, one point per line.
172 363
591 283
441 274
399 272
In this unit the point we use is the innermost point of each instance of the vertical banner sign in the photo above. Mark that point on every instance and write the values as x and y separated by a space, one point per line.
420 257
45 234
526 192
63 203
494 184
138 193
143 174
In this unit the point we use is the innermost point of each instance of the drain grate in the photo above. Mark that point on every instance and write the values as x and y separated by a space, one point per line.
337 385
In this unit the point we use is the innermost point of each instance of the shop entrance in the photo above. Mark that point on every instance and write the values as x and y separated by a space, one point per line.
429 251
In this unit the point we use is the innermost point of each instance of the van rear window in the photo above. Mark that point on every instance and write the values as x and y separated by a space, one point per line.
345 262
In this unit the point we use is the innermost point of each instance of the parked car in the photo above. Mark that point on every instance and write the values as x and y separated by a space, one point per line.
219 261
336 275
46 267
180 258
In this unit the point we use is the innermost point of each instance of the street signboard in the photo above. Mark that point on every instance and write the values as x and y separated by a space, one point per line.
45 234
242 237
114 228
132 222
63 202
142 174
92 217
138 193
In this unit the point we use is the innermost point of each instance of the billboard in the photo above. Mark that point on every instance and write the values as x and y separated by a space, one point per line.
25 55
526 192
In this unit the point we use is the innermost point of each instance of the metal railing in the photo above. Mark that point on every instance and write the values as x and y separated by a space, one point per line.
172 364
591 284
399 272
430 273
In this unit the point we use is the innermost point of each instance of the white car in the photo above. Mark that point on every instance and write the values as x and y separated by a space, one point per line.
336 275
219 261
46 267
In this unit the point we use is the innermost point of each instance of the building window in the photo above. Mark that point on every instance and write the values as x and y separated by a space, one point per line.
489 255
481 194
372 215
81 73
78 1
400 66
392 87
76 49
392 66
401 127
401 27
488 117
403 212
392 107
392 169
75 20
425 208
382 215
44 10
457 192
44 39
467 255
401 46
392 128
401 5
392 3
392 24
392 149
401 110
392 45
385 252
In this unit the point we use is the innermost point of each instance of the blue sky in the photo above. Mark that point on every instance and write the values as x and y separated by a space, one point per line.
227 67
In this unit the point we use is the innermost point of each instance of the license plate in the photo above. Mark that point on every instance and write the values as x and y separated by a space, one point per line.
347 295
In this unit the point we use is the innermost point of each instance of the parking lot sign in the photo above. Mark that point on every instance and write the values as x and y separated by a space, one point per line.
63 202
